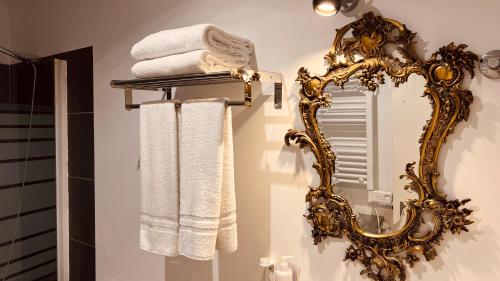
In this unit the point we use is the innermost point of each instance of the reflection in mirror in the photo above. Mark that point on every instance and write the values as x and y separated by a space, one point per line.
374 135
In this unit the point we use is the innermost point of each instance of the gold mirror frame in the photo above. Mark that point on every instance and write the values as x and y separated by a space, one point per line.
365 56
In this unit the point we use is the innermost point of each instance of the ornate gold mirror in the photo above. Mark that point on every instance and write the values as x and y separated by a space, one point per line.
365 132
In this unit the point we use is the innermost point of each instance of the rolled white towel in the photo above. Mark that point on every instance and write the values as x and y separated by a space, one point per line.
191 38
201 61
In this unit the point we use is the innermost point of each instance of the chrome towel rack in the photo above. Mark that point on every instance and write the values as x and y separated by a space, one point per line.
166 84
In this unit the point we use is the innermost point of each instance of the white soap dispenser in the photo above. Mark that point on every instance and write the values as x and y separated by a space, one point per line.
293 265
284 270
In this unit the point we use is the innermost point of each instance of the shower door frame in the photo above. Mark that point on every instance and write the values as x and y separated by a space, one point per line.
61 131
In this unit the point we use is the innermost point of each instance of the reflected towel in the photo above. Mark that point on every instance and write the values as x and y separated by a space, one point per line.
207 201
201 61
159 178
191 38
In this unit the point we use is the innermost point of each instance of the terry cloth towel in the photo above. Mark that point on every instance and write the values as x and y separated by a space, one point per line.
201 61
159 178
207 201
191 38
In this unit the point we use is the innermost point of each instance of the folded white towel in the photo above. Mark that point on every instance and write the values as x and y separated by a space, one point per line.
207 204
201 61
159 178
191 38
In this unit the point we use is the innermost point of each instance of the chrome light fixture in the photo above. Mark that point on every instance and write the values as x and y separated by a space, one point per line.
327 7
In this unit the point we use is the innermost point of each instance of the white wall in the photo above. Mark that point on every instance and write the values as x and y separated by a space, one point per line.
271 179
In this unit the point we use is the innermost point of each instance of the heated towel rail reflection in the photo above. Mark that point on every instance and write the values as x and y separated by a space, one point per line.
348 127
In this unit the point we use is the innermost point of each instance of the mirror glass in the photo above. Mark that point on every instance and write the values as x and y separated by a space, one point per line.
374 135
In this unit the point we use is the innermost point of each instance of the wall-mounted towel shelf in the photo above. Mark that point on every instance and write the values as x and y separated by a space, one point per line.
165 84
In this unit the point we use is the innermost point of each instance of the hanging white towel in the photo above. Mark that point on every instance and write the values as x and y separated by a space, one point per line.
201 61
207 201
159 178
227 237
191 38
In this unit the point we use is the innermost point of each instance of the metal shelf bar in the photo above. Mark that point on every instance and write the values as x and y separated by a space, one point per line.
234 76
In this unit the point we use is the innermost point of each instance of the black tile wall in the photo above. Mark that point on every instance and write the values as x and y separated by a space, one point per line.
80 81
81 164
81 145
82 215
81 261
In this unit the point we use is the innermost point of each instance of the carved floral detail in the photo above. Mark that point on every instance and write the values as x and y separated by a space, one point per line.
455 219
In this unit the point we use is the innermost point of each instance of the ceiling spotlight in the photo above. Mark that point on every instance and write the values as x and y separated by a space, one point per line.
327 7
